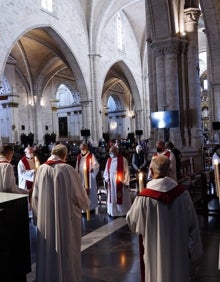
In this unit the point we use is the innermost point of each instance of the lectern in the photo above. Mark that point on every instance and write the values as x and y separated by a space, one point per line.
15 255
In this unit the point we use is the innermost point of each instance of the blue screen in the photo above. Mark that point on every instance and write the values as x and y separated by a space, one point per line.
165 119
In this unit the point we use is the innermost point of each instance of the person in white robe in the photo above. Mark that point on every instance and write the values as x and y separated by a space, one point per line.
88 167
26 169
7 176
57 200
161 150
117 177
164 217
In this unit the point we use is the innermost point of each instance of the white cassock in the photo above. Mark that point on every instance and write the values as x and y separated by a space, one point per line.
94 165
57 200
170 232
114 209
7 178
25 174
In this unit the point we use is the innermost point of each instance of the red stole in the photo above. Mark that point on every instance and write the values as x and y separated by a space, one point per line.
27 166
51 162
166 197
120 176
87 167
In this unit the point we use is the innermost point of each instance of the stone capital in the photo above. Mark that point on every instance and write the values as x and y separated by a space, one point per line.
171 46
191 15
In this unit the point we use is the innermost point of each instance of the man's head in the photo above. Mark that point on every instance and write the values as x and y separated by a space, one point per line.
29 152
138 149
83 149
160 166
169 145
113 151
60 150
7 151
160 146
217 150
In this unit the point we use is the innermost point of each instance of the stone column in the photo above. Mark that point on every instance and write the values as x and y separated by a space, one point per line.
96 125
191 16
11 110
86 115
166 61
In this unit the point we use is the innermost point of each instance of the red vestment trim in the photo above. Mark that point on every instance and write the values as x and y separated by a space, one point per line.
119 178
166 197
167 154
27 166
88 164
50 162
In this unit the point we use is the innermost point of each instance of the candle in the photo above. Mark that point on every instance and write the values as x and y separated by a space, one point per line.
37 163
140 181
86 185
216 171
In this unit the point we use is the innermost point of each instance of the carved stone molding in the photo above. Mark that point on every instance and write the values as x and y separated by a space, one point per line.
171 46
191 15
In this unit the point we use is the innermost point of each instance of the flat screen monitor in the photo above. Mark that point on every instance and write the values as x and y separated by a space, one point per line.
165 119
216 125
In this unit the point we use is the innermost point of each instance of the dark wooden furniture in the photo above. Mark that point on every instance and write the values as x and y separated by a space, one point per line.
15 257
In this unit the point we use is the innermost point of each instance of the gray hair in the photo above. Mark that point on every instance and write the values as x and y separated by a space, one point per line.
160 164
59 150
5 149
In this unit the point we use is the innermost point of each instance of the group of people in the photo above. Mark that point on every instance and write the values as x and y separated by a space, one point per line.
59 193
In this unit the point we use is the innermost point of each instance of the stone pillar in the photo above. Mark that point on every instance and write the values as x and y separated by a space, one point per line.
191 16
215 94
138 118
11 111
166 61
86 115
96 125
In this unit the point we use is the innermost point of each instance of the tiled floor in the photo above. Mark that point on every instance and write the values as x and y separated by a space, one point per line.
110 251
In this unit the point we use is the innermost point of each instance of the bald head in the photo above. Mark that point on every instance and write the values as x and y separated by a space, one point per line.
60 150
160 166
160 145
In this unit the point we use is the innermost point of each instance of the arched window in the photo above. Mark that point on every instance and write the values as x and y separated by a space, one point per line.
114 103
67 97
47 5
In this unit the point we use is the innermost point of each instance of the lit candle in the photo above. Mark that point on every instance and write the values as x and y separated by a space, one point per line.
140 182
216 171
36 162
86 185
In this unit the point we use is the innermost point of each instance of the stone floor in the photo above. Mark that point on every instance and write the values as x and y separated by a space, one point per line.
110 251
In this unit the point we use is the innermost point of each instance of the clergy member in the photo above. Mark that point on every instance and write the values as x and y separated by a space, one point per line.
57 200
88 167
117 177
164 216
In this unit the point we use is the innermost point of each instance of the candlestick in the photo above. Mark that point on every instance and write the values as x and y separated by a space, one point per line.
86 186
216 172
140 181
